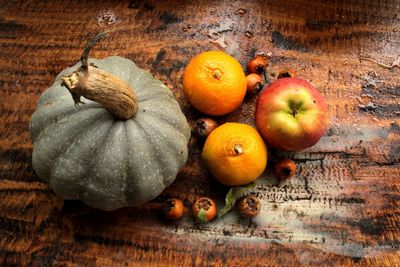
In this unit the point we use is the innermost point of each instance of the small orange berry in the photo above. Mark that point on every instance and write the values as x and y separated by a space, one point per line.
284 169
249 206
204 209
258 64
287 73
204 127
254 83
173 209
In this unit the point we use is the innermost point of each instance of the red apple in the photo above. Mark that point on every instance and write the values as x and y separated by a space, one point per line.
291 114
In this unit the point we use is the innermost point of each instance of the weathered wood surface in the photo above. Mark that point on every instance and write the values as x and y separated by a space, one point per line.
341 208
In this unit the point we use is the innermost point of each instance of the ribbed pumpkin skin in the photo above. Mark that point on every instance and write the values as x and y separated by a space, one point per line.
108 163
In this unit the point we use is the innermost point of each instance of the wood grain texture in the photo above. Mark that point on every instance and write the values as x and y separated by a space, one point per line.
341 208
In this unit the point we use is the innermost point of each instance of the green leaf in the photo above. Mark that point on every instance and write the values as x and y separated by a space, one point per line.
233 195
202 216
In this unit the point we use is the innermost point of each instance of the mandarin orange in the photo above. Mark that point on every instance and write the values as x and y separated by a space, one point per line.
214 83
235 154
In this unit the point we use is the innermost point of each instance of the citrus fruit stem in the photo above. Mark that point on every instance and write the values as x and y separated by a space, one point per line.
217 74
238 149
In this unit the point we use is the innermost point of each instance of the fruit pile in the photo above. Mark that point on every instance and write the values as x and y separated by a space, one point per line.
290 115
147 126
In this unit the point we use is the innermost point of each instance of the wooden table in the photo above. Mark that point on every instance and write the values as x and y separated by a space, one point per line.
341 208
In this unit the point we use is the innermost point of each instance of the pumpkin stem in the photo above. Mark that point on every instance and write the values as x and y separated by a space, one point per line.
100 86
88 47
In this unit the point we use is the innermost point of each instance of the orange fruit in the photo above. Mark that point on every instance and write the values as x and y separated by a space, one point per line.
235 154
214 83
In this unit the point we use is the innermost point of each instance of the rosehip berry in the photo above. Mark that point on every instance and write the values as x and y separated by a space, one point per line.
249 206
287 73
284 169
204 127
173 209
204 209
257 65
254 83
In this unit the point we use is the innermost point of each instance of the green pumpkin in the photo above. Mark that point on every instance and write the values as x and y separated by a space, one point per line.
106 162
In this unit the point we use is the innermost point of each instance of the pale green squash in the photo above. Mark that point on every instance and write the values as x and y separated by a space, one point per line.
108 163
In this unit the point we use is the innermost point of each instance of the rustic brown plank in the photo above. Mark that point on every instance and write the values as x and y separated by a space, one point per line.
341 209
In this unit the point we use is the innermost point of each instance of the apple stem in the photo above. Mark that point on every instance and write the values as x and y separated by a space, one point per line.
294 112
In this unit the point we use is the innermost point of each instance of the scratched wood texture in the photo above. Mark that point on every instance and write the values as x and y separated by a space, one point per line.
341 208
